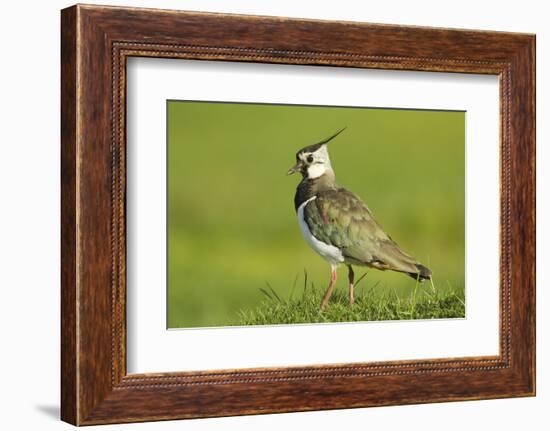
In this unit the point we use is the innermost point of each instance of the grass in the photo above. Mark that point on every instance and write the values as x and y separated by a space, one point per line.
371 304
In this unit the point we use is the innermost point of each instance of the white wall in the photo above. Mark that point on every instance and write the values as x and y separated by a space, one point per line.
29 214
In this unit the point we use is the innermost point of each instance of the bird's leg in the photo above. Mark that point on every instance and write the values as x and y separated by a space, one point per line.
351 276
330 288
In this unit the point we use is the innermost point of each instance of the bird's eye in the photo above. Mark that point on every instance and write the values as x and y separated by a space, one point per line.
310 159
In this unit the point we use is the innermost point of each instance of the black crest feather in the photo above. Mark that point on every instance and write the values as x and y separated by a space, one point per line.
315 147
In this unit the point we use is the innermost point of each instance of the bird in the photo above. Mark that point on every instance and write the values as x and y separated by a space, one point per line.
340 227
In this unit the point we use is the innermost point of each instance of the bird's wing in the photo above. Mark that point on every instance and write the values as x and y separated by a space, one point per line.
340 218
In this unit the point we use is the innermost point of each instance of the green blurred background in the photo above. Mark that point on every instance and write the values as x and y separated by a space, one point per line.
232 227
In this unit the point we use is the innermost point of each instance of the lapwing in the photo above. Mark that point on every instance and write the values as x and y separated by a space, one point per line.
339 226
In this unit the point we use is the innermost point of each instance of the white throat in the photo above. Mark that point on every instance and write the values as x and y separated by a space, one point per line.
316 170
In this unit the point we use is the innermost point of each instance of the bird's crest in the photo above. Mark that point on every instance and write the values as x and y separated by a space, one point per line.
314 147
327 140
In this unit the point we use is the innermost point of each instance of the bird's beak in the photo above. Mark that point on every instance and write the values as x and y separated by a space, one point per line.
296 168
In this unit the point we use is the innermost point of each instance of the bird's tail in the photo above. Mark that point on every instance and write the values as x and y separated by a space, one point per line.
395 259
423 273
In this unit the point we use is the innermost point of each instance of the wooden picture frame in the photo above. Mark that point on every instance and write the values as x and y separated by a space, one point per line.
95 43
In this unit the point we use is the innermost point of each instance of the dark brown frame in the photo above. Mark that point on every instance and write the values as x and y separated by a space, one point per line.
95 43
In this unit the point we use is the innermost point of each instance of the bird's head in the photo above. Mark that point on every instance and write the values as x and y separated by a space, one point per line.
313 161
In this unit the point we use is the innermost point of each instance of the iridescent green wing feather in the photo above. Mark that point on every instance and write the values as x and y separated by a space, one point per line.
340 218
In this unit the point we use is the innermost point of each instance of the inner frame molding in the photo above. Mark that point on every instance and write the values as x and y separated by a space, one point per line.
96 42
153 81
121 52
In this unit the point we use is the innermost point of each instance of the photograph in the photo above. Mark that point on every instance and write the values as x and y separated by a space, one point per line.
306 214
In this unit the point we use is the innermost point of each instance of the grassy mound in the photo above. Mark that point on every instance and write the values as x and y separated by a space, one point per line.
372 303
